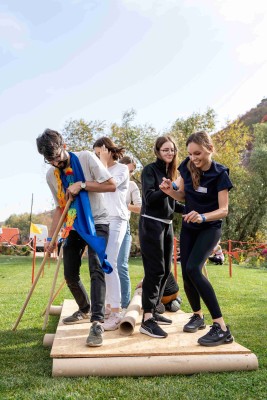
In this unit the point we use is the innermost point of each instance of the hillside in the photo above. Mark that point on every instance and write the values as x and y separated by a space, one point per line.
256 114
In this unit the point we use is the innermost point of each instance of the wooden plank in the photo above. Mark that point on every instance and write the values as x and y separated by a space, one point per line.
70 341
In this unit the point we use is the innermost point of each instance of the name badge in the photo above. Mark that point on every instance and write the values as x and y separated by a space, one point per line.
201 189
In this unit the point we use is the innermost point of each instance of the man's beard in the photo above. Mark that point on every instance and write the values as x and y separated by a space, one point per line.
63 164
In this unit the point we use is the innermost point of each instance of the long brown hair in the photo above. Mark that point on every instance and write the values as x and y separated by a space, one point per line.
172 167
203 139
117 152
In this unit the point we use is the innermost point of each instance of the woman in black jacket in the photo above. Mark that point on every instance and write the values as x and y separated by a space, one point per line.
156 233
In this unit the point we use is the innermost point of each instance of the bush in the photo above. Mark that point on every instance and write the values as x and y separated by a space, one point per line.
11 250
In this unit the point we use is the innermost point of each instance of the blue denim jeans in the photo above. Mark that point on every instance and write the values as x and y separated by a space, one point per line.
123 268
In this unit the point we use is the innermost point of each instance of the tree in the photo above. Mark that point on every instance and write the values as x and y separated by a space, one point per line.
184 127
230 144
138 140
253 221
80 134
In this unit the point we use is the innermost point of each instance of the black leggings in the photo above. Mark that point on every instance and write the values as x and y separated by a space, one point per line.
156 242
196 245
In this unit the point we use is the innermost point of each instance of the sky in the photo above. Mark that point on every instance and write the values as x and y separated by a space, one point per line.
95 59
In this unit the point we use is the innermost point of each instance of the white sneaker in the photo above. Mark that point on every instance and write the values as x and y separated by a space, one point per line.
113 322
123 312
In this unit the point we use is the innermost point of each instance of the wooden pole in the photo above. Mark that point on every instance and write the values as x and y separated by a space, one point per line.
56 294
205 270
230 257
53 288
54 238
33 257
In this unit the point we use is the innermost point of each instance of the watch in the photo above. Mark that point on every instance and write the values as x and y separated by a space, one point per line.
83 185
203 217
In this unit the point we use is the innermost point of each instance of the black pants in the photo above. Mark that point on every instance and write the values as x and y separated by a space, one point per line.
216 260
72 257
195 247
156 242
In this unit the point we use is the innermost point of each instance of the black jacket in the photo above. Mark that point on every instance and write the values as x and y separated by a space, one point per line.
154 202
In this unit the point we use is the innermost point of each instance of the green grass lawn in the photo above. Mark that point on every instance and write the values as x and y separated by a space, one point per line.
26 365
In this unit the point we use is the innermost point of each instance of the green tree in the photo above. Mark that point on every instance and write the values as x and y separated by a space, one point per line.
80 134
230 145
138 140
182 128
253 220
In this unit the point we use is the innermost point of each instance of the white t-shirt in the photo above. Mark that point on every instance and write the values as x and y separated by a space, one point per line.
219 253
133 195
94 171
116 201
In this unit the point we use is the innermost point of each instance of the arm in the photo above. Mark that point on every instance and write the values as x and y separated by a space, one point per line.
134 208
120 175
136 202
100 180
150 187
166 187
221 212
106 186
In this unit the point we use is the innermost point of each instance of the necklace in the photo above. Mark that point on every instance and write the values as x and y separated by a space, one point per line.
72 211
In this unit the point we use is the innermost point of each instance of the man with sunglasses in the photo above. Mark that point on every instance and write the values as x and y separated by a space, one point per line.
66 171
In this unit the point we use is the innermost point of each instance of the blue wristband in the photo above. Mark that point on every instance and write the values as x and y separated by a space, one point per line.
174 186
203 217
49 239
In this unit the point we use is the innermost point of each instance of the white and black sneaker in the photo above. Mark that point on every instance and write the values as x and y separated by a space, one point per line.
160 320
151 328
77 318
95 338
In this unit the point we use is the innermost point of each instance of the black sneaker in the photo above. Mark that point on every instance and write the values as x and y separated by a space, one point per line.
195 323
151 328
160 320
77 318
216 336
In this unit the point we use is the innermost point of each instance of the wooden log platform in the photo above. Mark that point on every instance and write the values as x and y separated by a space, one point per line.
141 355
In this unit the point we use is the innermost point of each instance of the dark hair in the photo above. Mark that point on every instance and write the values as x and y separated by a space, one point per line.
48 143
172 167
127 160
117 152
203 139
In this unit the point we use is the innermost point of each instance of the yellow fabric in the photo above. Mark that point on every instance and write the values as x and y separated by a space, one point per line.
35 229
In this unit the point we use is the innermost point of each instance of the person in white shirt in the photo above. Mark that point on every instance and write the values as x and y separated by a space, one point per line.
134 202
109 155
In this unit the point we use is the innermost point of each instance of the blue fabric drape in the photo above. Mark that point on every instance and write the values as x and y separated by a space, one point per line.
84 221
